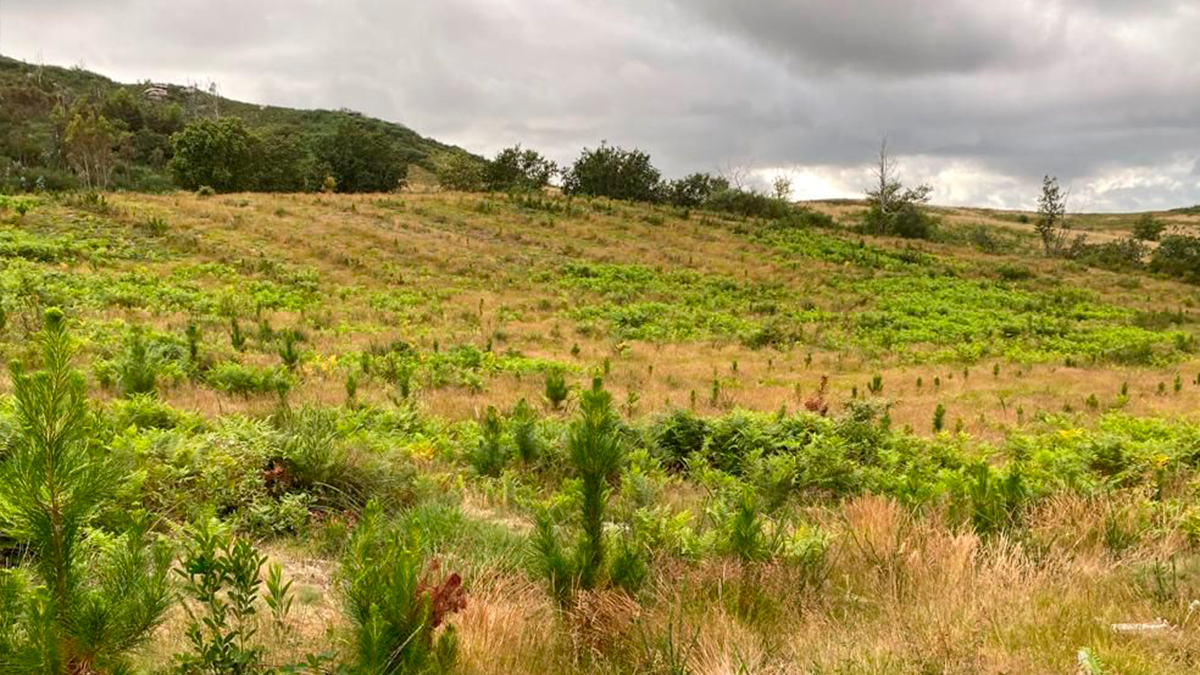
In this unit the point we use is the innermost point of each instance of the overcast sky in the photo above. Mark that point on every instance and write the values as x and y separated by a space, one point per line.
977 97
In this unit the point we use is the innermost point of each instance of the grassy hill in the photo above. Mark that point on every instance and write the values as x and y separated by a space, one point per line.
30 143
675 305
643 438
789 491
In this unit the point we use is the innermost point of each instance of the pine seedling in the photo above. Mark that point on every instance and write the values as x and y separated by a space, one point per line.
351 390
138 375
80 614
876 385
595 449
489 456
396 613
525 436
192 333
289 350
237 339
556 390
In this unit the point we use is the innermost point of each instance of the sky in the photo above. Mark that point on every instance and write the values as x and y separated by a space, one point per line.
978 98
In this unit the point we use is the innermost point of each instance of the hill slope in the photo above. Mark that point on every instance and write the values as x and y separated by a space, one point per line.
31 140
280 359
673 300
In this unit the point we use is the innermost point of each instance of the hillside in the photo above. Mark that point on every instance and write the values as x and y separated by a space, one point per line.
686 306
835 452
31 143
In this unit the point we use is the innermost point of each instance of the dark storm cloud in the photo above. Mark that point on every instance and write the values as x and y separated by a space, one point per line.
981 98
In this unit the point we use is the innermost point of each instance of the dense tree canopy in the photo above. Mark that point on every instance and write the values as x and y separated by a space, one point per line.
609 171
219 153
518 169
361 159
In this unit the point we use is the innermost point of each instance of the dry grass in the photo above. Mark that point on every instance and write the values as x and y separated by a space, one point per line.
471 257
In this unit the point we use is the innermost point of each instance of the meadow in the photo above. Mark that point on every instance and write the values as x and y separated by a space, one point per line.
484 433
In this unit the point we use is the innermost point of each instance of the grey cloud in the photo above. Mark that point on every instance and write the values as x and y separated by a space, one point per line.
884 36
1083 89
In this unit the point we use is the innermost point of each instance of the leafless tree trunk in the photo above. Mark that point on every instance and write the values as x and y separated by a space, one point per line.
885 174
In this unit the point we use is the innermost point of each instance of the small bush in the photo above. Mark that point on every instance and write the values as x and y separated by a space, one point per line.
221 579
1178 255
748 204
677 436
1148 228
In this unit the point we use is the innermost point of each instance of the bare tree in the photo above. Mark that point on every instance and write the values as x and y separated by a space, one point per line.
736 175
887 184
1052 223
782 187
894 209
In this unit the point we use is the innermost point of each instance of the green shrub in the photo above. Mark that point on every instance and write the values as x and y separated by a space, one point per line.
614 172
747 203
677 436
144 411
221 580
693 190
1014 272
907 221
515 169
1148 228
21 205
1178 255
217 154
318 460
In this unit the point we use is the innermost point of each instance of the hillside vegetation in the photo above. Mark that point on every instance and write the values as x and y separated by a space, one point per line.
62 128
494 433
